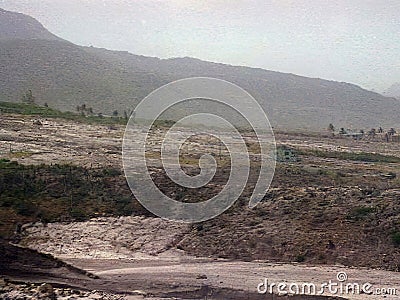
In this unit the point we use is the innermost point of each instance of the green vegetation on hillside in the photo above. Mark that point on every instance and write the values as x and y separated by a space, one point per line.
61 192
110 80
47 112
353 156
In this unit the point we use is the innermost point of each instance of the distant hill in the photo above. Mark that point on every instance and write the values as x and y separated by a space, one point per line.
19 26
66 75
63 75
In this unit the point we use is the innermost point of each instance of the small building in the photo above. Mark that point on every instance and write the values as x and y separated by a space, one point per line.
352 134
285 154
395 138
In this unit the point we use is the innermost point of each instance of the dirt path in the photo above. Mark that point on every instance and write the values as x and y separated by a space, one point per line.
167 275
138 254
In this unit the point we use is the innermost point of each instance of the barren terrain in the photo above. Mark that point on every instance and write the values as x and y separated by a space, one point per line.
323 214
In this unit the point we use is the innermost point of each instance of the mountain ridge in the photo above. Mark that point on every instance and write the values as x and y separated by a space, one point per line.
66 75
20 26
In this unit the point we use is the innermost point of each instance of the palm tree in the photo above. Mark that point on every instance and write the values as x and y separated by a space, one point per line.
28 97
372 133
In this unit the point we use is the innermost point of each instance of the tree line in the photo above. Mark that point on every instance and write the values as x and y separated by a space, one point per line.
373 132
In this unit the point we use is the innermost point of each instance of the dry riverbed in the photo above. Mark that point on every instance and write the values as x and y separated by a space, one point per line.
136 255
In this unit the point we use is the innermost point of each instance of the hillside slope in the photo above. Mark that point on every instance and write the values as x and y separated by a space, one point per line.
19 26
65 75
291 101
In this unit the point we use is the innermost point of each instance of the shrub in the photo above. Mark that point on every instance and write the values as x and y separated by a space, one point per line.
355 156
300 258
78 214
396 238
360 213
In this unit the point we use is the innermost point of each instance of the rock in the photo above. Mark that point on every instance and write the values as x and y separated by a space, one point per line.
331 245
37 123
94 296
389 175
76 292
139 293
15 295
46 291
3 282
201 276
6 288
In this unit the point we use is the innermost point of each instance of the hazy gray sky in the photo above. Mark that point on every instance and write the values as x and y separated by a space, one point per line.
356 41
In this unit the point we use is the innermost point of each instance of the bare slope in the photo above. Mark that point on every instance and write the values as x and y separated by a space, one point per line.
65 75
19 26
